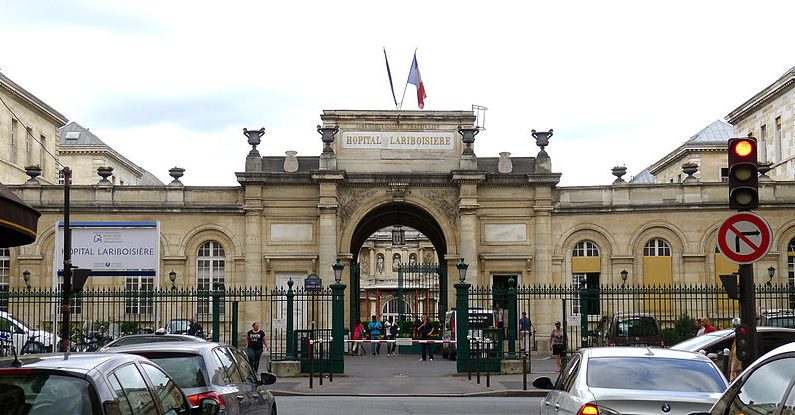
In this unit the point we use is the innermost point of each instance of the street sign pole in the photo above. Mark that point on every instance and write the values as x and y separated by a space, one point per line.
748 309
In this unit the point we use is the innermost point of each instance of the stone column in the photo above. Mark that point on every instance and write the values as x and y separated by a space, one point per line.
542 251
327 238
252 273
468 220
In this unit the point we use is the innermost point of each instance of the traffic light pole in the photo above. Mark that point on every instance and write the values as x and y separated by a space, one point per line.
748 309
66 291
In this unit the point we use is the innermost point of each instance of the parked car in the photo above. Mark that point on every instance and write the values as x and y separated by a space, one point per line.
479 319
213 371
633 380
717 344
151 338
24 338
88 384
178 326
766 387
629 329
777 318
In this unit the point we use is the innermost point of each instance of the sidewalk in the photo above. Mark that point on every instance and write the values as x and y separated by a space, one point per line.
404 375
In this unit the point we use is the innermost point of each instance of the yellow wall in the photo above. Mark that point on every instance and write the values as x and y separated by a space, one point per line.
657 270
582 265
723 266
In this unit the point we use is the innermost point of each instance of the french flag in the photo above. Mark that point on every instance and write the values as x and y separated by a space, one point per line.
416 80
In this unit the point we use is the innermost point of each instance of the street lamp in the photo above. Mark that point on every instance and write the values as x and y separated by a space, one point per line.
462 270
338 267
26 277
173 277
624 275
771 271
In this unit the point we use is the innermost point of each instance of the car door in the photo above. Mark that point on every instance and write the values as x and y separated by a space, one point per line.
569 401
760 392
132 393
258 393
236 390
167 392
558 399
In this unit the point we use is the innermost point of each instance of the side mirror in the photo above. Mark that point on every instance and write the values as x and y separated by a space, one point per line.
267 378
208 406
543 383
727 352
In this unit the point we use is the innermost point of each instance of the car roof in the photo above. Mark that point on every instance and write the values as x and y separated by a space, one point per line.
165 335
629 351
76 362
177 346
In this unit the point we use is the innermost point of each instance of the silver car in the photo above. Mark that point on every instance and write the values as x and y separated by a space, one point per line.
633 380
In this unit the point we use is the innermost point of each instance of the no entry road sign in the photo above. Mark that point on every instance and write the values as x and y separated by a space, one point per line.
744 238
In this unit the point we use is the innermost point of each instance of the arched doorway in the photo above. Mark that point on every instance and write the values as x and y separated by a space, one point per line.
389 215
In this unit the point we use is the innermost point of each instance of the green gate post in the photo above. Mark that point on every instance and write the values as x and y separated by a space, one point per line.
511 318
216 311
462 326
234 323
355 299
290 333
583 313
337 327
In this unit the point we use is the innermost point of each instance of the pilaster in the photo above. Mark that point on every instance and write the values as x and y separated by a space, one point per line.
468 220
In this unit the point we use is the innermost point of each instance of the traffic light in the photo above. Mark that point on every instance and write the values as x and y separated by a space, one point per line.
729 282
743 177
79 278
742 339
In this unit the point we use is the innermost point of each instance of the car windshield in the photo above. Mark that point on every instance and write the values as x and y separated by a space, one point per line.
185 369
637 327
654 373
700 342
40 393
177 325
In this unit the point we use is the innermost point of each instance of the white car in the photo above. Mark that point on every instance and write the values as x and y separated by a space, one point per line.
20 335
633 380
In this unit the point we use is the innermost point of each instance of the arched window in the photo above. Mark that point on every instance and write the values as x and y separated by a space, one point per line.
5 276
391 308
210 269
657 247
585 248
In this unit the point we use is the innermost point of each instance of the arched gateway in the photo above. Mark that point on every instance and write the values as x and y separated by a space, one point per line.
415 169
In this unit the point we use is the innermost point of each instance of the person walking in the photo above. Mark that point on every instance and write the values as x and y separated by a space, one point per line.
357 334
388 335
375 334
557 345
525 325
255 344
499 315
708 327
425 330
699 327
195 328
392 334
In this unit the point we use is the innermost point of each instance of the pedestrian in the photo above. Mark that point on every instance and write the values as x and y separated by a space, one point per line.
708 327
358 334
425 331
195 328
255 344
699 327
387 334
557 345
735 365
499 315
394 328
525 326
375 334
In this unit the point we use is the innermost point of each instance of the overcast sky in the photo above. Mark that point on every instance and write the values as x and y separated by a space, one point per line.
172 83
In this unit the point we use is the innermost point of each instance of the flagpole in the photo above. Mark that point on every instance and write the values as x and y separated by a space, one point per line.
407 82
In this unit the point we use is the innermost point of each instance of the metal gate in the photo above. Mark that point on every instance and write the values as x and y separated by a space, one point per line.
424 289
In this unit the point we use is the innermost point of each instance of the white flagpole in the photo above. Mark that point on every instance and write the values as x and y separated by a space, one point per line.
407 80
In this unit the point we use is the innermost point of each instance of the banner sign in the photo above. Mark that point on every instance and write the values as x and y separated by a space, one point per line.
399 140
112 248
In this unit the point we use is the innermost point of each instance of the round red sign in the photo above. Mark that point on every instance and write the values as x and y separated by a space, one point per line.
744 238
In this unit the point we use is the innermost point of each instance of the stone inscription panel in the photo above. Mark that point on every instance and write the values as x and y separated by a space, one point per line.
398 140
291 232
505 232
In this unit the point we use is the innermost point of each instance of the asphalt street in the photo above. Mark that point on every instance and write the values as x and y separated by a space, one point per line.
333 405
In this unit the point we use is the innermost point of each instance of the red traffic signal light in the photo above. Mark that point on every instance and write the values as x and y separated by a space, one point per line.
743 176
743 343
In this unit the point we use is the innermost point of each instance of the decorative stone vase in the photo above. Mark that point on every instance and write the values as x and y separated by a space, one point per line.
33 172
468 138
689 169
327 136
254 139
290 162
619 172
763 168
542 137
504 165
176 173
104 173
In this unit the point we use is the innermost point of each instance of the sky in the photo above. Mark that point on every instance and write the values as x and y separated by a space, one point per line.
173 83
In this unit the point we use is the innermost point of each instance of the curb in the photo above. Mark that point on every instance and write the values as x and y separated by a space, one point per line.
512 393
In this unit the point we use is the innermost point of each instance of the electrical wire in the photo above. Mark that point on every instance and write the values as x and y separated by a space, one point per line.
28 132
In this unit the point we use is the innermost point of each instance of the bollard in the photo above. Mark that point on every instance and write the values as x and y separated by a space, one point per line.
311 362
524 370
320 355
488 363
478 342
469 365
331 361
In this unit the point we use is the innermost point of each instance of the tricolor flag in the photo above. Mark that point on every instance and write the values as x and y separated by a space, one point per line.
416 80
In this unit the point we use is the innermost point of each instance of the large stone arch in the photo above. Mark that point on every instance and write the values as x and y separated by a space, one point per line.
663 230
189 245
600 236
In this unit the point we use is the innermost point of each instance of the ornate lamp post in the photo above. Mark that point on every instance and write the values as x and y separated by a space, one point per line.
462 271
624 275
338 267
26 277
337 320
173 277
462 318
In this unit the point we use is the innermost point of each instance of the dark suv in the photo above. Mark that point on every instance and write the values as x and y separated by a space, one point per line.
211 371
629 329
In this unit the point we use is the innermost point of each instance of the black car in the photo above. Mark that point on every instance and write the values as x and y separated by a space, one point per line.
716 343
88 384
211 371
151 338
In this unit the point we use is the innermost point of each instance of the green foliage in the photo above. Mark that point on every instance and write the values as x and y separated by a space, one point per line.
683 329
129 327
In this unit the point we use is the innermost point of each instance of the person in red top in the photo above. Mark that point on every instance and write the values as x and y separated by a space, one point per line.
357 332
708 327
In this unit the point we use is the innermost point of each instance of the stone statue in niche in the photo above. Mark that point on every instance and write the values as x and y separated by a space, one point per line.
379 264
412 259
427 257
364 264
395 262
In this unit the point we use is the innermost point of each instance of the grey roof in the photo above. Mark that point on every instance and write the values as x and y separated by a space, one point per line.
74 136
644 177
719 132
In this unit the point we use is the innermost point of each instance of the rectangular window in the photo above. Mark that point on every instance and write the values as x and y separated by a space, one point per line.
28 146
592 280
141 303
762 146
60 177
14 129
42 152
724 174
777 138
5 276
